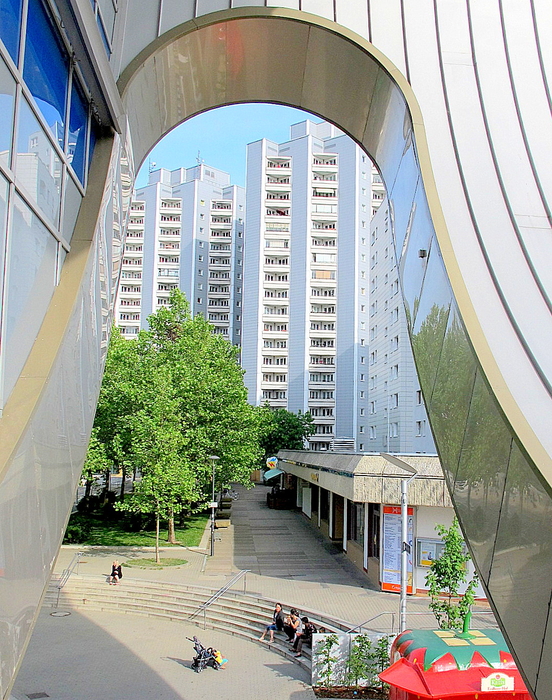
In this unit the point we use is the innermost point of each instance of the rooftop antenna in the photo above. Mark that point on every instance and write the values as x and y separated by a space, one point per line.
151 165
199 159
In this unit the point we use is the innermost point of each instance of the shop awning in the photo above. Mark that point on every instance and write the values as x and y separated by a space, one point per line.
271 473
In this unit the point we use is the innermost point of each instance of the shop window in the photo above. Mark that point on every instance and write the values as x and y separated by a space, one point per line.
355 521
373 530
324 504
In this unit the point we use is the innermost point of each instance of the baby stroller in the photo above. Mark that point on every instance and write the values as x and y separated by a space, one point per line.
204 656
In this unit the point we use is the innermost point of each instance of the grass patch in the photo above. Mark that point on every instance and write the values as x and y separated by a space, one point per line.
92 530
152 564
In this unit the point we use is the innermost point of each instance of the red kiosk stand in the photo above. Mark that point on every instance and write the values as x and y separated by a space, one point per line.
443 664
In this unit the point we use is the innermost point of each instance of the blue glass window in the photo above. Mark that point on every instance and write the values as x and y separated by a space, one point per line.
46 68
78 126
10 25
7 96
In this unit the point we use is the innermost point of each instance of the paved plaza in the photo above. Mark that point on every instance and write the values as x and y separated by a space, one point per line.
89 655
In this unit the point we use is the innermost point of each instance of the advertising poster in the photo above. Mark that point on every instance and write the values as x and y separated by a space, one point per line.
391 549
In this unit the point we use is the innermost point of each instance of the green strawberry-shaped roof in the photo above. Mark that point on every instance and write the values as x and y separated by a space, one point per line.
440 650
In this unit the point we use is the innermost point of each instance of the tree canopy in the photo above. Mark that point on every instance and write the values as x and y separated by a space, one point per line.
169 400
284 430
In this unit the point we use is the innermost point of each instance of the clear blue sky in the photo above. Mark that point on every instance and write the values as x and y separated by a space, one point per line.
221 136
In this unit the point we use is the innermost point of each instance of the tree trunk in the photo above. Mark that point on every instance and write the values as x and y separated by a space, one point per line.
157 557
88 488
122 492
106 486
171 539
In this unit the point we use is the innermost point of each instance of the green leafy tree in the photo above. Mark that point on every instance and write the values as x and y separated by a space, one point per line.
360 657
117 403
169 400
284 430
165 486
326 661
445 577
96 462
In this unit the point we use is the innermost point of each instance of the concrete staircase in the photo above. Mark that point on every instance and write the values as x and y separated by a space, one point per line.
241 614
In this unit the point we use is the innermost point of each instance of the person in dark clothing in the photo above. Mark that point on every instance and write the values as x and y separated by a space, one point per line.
277 623
116 573
304 637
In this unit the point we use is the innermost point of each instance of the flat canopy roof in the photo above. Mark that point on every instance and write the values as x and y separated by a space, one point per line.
369 477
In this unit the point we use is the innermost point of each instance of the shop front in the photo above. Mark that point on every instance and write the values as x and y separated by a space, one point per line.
354 500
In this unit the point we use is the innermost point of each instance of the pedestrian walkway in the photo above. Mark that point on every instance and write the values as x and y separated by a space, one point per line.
88 655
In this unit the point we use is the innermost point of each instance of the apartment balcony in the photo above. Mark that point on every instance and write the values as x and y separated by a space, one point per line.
219 263
131 275
170 205
221 205
325 242
220 235
278 164
220 320
276 212
132 262
278 185
129 293
219 295
277 332
274 385
136 235
169 233
133 251
274 228
123 301
136 224
275 198
320 177
166 246
321 195
168 272
324 211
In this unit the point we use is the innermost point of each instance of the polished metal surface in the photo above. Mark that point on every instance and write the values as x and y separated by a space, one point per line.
452 101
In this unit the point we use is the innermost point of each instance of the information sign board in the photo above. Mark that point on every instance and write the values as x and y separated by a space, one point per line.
392 547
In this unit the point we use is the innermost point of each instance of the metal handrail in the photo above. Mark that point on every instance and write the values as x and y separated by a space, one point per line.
375 617
203 607
66 573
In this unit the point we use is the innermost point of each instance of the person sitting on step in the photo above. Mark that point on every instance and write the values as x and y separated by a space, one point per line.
305 637
277 623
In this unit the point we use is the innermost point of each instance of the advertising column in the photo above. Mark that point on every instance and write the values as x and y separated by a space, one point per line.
391 549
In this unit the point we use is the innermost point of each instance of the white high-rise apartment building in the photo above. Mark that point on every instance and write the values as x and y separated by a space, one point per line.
397 419
185 230
305 328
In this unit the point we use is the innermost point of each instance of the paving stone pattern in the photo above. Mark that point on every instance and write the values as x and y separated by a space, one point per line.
92 655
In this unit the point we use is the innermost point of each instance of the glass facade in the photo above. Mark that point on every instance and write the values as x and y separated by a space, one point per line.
45 157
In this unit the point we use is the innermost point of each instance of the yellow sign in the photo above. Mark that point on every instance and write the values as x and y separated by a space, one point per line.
314 476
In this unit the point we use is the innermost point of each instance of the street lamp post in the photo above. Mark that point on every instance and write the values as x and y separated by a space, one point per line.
213 459
405 544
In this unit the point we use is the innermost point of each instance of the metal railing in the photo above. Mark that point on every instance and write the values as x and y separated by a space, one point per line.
66 573
428 613
203 607
375 617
